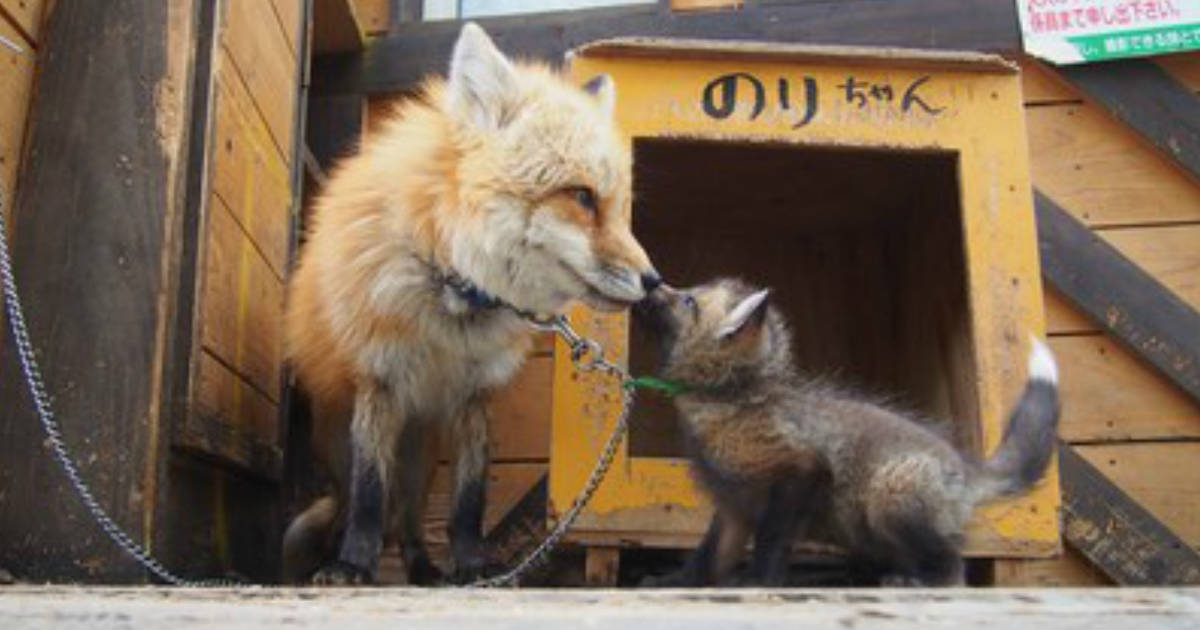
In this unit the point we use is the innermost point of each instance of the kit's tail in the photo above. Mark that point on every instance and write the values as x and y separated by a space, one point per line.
1032 433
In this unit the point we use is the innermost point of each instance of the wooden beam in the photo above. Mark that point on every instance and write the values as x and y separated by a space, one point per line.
397 61
1139 93
336 27
1127 302
1118 535
95 246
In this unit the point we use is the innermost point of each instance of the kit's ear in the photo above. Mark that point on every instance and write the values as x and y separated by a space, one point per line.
482 86
744 324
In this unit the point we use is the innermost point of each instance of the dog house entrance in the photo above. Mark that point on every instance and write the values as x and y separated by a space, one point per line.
863 250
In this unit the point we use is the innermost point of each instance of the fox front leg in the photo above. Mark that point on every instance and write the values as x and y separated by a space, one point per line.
470 453
373 433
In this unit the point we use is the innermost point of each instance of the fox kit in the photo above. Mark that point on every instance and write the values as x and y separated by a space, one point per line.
501 186
784 455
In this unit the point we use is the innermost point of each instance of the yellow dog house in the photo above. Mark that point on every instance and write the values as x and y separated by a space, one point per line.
883 194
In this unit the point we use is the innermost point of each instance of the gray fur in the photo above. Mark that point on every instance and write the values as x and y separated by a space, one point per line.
895 494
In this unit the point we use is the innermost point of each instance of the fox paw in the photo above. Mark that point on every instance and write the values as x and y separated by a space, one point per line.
422 572
341 574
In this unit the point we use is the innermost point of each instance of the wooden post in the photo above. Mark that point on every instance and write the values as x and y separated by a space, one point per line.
601 566
94 241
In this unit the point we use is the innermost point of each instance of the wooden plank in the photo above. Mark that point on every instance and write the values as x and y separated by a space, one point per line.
241 304
1161 476
26 15
16 81
248 173
1171 253
1116 533
1109 395
601 566
1097 169
336 27
90 247
1062 317
1069 569
375 16
288 13
1041 86
1142 95
266 64
520 414
1156 324
233 421
397 61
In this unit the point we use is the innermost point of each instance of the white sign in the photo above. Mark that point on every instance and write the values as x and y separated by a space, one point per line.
1078 31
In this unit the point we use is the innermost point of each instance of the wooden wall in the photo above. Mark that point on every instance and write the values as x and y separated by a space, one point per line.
1124 418
246 236
244 239
20 27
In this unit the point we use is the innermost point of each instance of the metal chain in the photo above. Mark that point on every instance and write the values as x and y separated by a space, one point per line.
586 354
41 401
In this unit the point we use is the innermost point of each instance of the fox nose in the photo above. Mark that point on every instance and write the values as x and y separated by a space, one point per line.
651 281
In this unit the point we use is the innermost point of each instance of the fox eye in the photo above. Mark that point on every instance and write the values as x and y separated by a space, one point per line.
585 197
690 302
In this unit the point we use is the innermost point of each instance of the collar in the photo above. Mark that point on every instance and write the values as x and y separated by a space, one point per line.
668 388
476 298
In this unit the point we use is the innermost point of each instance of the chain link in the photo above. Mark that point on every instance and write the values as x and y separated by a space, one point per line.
41 402
587 355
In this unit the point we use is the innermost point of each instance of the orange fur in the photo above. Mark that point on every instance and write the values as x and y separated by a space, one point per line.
474 178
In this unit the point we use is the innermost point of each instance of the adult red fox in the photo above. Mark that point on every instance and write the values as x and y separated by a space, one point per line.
501 186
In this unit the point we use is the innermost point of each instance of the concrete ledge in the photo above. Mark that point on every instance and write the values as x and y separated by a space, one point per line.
177 609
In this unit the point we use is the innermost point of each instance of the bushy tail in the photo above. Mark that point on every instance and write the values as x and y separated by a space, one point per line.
308 539
1032 433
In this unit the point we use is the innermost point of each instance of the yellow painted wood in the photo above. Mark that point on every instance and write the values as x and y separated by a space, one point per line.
16 81
660 95
26 15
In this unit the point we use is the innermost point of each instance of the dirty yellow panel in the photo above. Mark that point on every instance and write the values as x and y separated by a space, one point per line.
26 15
288 12
794 95
248 173
267 65
230 418
16 80
241 303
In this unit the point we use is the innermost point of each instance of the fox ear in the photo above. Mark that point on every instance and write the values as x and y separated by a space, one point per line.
745 321
602 87
483 83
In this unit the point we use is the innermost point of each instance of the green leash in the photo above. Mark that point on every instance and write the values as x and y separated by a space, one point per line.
663 386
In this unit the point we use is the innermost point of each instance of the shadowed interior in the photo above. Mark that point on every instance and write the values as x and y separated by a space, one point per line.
863 250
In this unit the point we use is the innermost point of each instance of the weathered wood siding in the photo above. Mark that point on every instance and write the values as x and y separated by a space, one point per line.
1121 415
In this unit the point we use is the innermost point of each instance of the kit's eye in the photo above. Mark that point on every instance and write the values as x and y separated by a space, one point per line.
690 302
585 197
